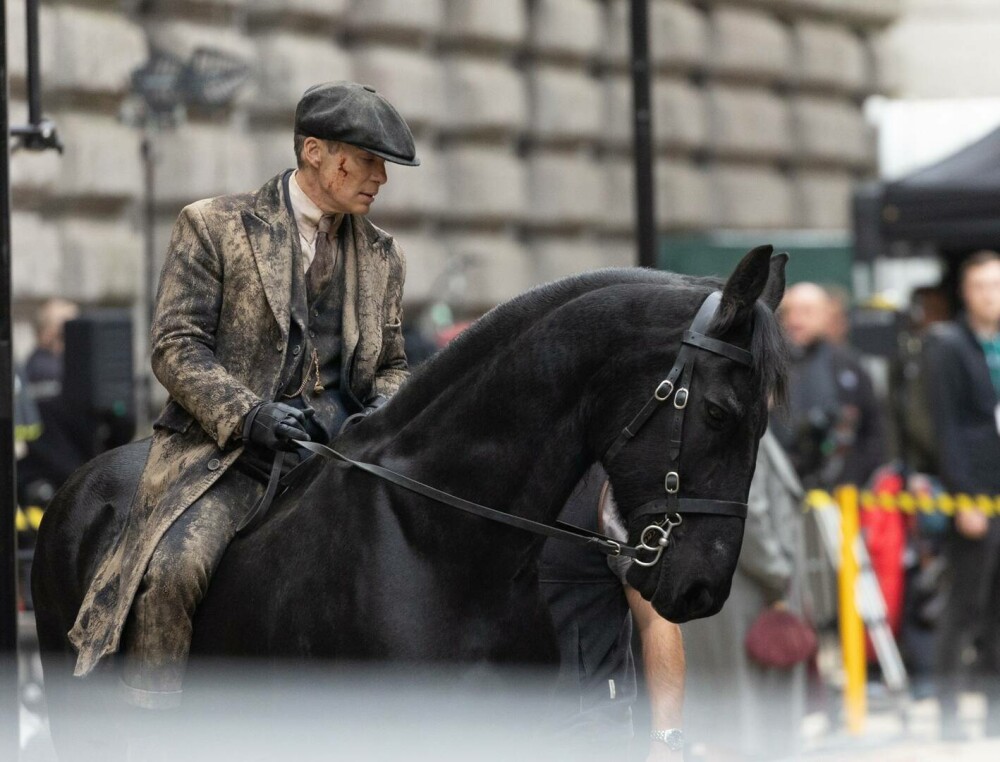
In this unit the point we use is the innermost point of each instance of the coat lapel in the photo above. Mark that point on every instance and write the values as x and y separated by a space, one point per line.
271 235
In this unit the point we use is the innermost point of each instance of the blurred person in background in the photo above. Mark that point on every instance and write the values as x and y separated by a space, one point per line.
45 364
278 316
593 610
69 435
962 379
917 441
917 470
838 327
831 426
734 707
66 438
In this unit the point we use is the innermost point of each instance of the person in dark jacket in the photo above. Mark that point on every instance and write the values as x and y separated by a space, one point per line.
831 427
593 611
962 375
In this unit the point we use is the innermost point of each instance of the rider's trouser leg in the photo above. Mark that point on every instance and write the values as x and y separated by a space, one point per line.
157 637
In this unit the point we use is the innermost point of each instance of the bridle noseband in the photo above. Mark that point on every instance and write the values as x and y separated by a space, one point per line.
677 385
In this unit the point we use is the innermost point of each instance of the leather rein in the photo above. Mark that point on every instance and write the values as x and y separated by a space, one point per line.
655 537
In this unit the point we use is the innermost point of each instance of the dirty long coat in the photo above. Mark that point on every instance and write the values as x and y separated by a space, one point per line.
219 338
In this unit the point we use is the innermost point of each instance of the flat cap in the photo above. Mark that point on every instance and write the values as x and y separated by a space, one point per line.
356 114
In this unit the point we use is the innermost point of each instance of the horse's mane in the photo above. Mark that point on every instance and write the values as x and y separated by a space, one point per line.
505 323
502 325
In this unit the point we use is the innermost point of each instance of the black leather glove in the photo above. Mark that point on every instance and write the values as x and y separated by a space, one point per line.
274 424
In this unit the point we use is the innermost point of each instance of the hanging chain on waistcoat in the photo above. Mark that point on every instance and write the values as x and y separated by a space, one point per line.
320 271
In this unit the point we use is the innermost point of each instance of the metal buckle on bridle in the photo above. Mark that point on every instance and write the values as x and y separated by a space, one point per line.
663 396
663 529
681 398
672 482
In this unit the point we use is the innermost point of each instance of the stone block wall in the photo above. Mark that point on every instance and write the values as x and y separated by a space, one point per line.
521 110
947 49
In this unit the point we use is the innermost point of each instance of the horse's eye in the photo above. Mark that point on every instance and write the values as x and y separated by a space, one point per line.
716 415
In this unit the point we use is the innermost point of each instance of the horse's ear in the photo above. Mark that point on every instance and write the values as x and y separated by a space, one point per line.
775 288
746 284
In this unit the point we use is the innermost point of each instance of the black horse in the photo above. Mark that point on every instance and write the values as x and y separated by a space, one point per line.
511 416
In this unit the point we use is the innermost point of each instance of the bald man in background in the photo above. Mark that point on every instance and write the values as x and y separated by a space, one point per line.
831 428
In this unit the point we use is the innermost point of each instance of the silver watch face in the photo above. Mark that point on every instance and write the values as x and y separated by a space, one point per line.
673 738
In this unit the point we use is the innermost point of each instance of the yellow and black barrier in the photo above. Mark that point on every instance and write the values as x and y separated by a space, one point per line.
911 503
852 630
28 519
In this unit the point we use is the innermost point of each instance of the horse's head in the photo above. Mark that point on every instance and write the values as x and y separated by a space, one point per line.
691 453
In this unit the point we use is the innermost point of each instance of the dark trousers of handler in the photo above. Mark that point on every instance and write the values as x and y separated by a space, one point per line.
971 617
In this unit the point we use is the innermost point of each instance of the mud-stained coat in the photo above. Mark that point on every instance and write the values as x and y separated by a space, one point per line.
219 338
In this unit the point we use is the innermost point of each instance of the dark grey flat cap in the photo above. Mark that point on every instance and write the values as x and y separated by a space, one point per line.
356 114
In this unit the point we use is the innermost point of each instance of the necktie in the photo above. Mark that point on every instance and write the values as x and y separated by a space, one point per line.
323 261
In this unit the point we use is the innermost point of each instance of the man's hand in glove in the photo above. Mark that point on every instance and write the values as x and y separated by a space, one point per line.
274 424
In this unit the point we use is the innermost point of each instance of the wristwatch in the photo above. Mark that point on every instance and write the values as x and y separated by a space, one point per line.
673 738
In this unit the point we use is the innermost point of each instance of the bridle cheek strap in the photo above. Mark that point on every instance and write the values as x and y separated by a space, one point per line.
677 386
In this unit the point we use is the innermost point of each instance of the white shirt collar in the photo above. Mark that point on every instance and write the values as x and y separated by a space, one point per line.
307 214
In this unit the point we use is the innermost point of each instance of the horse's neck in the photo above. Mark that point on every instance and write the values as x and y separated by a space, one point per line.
511 435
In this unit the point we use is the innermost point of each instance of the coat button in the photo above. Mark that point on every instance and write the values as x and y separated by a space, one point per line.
296 349
213 464
312 334
278 346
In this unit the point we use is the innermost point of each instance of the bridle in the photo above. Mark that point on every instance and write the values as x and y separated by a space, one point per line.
676 385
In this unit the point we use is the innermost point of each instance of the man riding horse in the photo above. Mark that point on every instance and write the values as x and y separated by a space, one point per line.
278 316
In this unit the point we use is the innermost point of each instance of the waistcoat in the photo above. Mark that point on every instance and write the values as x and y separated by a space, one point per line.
315 338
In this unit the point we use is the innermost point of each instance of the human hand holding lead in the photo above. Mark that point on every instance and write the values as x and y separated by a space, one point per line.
275 424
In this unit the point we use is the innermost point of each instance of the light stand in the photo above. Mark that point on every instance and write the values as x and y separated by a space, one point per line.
165 87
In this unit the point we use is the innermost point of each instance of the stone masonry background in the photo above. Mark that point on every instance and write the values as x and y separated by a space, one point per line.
521 109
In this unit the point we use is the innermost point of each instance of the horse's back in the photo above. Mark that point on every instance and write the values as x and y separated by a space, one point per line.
79 527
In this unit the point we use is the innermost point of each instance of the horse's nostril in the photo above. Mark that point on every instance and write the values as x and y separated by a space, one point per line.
699 601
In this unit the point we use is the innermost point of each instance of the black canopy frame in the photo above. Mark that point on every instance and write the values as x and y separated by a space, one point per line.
953 205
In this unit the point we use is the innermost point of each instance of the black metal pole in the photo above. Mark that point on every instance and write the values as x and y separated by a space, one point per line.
643 135
34 65
9 724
